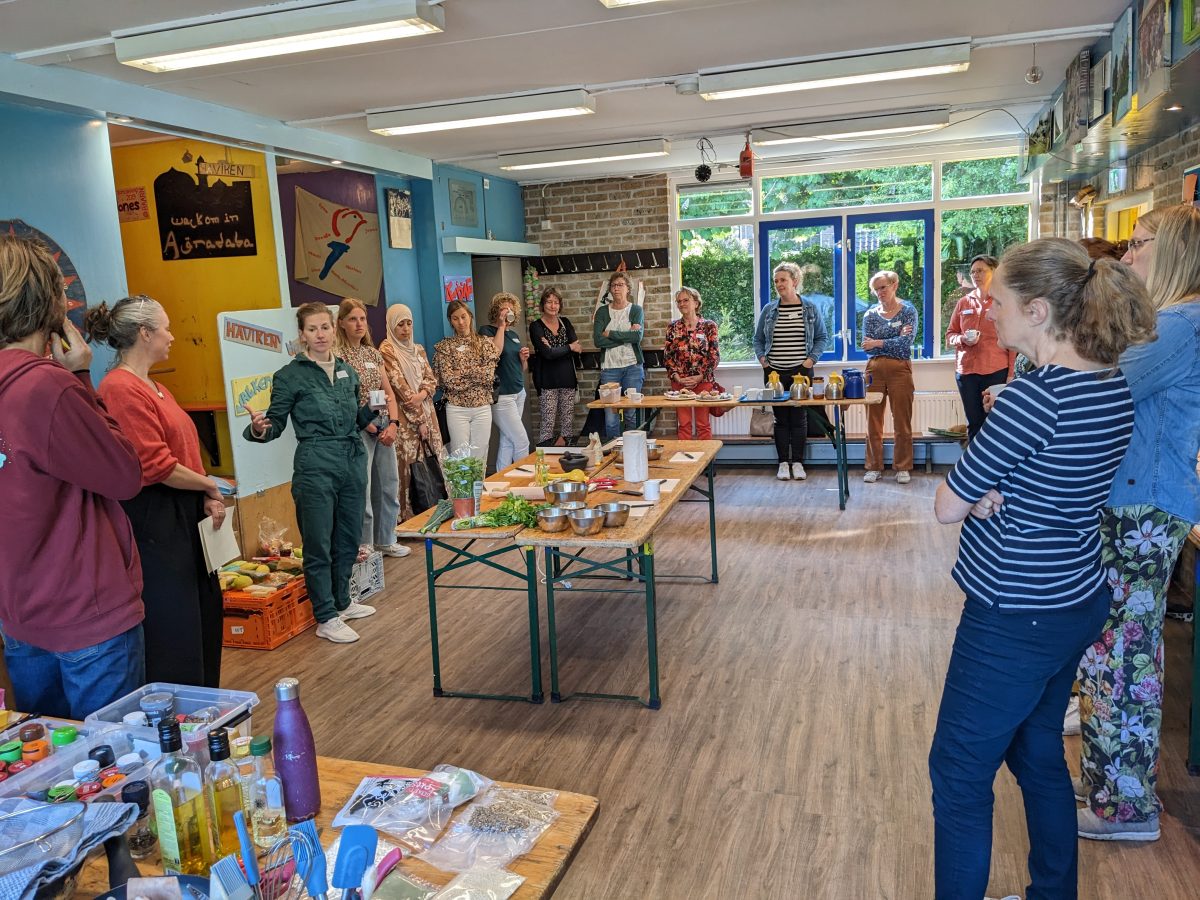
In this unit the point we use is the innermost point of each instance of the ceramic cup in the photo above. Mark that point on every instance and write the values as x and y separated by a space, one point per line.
635 396
629 392
650 489
972 335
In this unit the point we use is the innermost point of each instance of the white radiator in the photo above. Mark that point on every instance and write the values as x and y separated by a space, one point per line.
931 409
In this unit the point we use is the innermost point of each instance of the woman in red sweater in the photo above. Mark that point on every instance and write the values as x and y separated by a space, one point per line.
183 599
980 361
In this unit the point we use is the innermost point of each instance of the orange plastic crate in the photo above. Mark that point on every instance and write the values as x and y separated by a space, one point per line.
264 623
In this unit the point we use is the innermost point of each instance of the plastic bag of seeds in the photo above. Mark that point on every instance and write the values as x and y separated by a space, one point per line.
494 830
481 884
418 813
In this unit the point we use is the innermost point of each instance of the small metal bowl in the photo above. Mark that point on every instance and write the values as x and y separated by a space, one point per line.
586 521
652 453
572 505
552 518
615 514
559 491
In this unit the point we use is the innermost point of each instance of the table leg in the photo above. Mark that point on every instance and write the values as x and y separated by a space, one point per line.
535 638
552 567
646 564
712 520
839 439
1193 763
431 587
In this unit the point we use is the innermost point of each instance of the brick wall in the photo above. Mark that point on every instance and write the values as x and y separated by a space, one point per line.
601 216
1159 169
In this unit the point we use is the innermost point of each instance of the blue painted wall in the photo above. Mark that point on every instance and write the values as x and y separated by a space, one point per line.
401 271
56 174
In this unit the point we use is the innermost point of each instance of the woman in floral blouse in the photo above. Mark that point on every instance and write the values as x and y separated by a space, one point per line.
691 355
354 346
414 384
465 363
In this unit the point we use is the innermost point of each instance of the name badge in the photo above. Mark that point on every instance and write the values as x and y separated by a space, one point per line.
515 339
372 365
461 349
968 312
342 374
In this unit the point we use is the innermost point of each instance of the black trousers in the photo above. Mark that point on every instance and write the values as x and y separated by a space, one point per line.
971 388
183 625
791 422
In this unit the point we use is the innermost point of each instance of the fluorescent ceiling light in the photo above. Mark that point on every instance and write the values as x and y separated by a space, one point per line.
838 129
889 65
578 156
297 29
473 113
614 4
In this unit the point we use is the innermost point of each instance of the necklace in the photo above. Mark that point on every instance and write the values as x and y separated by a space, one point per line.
154 387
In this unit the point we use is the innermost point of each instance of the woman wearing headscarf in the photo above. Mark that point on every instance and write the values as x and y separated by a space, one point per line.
414 384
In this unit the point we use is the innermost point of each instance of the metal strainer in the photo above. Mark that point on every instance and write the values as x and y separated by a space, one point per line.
31 832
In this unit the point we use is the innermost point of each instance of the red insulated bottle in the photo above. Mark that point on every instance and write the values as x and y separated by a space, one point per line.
295 754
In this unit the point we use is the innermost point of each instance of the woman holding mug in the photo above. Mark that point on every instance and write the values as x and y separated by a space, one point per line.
691 355
979 360
888 330
617 331
554 347
512 361
789 339
355 347
465 364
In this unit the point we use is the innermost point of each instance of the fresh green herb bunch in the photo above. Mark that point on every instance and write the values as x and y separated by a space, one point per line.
462 473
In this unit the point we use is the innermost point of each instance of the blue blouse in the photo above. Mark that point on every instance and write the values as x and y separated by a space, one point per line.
878 328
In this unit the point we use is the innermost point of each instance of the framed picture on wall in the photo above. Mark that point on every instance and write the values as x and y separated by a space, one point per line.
1101 88
1123 73
1077 97
1153 50
1191 21
462 203
399 213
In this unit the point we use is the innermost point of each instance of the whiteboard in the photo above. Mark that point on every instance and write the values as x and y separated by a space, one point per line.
256 466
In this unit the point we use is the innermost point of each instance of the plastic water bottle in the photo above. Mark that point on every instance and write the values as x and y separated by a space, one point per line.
295 754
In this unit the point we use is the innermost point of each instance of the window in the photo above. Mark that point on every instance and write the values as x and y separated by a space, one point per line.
726 200
982 177
719 263
967 233
858 187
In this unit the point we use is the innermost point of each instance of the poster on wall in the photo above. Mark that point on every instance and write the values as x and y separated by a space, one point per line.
1101 88
253 391
1191 21
72 283
399 210
337 248
203 218
132 205
462 203
1123 73
1153 50
253 335
1077 97
1191 186
458 287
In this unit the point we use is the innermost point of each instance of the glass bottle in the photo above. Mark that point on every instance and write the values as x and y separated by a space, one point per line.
177 797
541 473
267 818
295 754
142 841
240 747
223 792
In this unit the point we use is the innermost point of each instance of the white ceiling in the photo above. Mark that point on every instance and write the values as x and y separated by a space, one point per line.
493 47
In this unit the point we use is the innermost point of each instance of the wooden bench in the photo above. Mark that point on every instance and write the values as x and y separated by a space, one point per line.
922 443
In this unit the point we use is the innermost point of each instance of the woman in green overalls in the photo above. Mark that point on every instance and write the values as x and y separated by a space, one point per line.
320 393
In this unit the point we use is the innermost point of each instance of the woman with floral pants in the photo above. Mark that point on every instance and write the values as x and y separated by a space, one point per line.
1154 500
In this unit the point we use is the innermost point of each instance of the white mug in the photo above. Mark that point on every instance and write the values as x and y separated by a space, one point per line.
650 489
738 390
972 335
377 400
629 392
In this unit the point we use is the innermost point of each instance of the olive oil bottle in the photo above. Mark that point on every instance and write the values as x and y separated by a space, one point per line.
177 797
223 791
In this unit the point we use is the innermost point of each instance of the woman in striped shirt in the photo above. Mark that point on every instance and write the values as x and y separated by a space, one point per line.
1036 594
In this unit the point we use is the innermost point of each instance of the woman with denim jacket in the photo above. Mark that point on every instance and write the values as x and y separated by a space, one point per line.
789 339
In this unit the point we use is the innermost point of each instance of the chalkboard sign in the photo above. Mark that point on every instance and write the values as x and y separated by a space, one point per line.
201 220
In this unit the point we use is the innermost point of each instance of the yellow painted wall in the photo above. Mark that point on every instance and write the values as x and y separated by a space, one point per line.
193 291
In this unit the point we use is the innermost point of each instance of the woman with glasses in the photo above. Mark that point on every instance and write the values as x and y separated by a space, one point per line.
979 360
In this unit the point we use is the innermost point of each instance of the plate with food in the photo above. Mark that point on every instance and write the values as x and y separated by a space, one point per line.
680 395
714 395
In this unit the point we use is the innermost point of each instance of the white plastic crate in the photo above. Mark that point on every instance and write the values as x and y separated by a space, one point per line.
366 578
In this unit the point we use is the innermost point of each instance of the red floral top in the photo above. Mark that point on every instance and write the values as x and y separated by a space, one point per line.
692 351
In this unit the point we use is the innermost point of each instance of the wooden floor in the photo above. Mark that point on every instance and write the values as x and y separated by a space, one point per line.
799 698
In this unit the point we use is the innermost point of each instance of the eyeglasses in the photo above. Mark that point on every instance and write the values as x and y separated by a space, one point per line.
1138 243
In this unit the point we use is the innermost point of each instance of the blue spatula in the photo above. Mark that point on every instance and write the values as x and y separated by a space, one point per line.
356 852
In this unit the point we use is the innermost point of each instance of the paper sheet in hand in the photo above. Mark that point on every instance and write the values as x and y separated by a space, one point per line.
220 546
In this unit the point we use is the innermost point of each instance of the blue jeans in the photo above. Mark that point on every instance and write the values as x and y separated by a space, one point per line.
73 684
628 377
1006 692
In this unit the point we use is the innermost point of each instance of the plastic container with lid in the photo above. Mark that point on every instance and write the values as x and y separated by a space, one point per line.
72 764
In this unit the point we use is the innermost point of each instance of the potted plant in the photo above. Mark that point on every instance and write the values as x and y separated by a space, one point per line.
461 474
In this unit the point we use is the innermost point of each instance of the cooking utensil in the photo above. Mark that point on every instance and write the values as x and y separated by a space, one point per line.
586 521
615 514
357 851
565 490
552 518
226 881
310 858
249 854
572 461
376 874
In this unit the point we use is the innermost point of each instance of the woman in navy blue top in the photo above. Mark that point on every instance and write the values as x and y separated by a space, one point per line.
1035 591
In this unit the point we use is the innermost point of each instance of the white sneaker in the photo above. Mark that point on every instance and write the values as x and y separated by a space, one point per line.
871 476
903 477
784 473
798 472
1071 719
337 631
358 611
1009 897
393 549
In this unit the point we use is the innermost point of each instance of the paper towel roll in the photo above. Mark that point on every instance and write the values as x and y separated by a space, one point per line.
636 461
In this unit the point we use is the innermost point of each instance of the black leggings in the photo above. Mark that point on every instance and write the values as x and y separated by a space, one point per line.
791 422
971 388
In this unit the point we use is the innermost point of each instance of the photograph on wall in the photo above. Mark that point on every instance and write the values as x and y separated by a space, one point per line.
1042 136
1153 50
337 248
1077 97
1191 186
1191 21
399 211
1123 73
1101 88
462 203
200 217
1057 106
